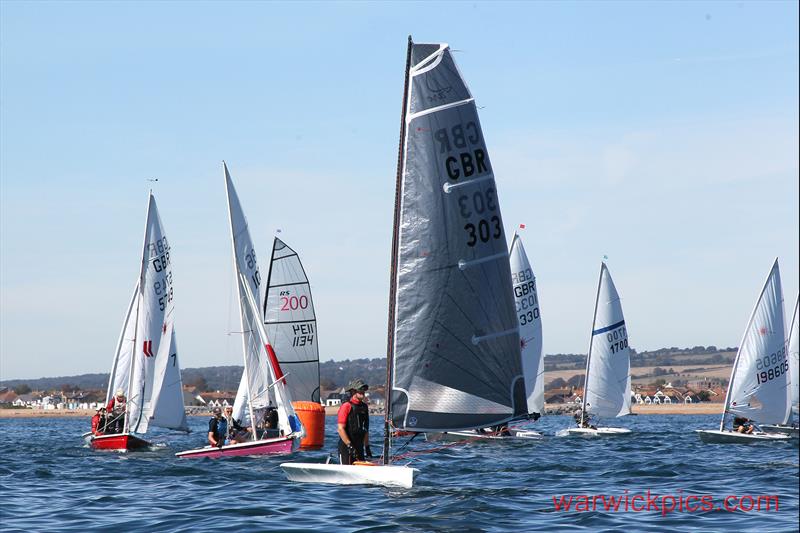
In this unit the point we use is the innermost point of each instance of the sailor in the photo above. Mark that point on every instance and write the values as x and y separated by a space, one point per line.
352 425
116 412
236 433
269 423
743 425
217 429
99 421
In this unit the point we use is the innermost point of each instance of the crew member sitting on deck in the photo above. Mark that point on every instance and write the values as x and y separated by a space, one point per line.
116 412
352 425
217 429
583 420
236 433
743 425
269 424
99 421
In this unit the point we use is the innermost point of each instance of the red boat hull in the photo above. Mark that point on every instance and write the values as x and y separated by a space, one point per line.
120 442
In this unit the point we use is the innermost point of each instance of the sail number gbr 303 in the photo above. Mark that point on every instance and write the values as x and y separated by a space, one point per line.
464 156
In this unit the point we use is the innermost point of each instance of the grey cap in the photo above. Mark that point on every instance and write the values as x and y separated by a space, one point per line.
216 411
357 384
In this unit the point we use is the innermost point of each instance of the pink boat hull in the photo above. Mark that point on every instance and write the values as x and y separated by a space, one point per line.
278 446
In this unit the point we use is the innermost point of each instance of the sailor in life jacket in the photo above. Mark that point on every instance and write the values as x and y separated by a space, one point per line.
99 421
352 425
116 412
217 429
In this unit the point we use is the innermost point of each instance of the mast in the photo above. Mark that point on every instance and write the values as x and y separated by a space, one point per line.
741 343
239 276
393 264
136 323
591 340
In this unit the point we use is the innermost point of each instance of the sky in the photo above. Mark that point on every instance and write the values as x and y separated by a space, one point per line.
661 135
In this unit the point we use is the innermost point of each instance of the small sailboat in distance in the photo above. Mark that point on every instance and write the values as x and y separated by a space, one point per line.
145 382
607 388
760 376
453 358
263 380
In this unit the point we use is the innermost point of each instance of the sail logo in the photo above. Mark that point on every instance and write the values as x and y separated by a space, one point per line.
147 348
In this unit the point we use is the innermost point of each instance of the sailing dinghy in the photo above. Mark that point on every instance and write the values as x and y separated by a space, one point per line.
526 299
789 428
263 382
145 366
760 374
607 390
453 337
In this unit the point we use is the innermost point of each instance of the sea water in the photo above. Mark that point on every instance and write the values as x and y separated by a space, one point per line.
51 480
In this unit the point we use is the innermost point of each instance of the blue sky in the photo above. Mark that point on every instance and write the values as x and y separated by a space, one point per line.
663 135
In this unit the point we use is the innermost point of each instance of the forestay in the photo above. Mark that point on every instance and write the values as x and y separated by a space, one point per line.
119 378
291 322
155 320
263 378
608 377
794 363
456 354
526 299
760 374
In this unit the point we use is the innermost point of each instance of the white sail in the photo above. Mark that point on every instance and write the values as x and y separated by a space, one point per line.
530 325
166 404
760 376
121 367
794 363
264 377
608 377
291 322
155 311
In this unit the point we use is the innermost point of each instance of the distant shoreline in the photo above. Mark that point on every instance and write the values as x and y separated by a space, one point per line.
705 408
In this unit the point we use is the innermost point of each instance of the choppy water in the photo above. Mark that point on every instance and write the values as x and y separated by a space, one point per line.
49 480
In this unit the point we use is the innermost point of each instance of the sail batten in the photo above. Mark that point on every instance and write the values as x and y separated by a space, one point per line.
454 334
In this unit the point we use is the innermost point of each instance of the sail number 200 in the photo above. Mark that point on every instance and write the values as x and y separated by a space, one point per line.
481 204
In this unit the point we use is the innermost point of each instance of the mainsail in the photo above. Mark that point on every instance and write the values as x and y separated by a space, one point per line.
454 350
526 299
263 378
760 376
291 322
607 392
146 363
794 363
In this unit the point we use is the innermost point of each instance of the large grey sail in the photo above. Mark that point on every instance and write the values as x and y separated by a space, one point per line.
456 337
291 322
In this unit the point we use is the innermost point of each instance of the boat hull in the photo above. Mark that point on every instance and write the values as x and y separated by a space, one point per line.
715 436
277 446
471 436
792 431
383 475
598 432
119 442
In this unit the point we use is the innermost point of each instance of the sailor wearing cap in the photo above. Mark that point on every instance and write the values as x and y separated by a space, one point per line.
353 425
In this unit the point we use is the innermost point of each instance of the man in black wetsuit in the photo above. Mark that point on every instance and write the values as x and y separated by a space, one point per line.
352 425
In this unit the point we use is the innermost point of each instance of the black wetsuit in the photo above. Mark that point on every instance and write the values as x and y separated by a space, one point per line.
357 427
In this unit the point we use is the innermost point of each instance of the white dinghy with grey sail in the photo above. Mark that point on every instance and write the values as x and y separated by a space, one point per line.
453 337
607 390
760 375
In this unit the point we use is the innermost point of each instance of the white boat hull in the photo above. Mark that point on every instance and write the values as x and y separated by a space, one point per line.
458 436
715 436
598 432
792 431
384 475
